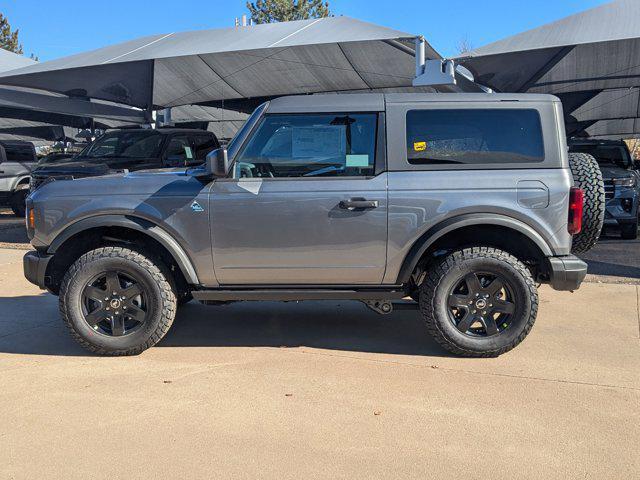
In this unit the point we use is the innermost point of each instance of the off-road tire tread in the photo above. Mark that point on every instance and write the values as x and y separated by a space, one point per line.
169 302
588 177
431 284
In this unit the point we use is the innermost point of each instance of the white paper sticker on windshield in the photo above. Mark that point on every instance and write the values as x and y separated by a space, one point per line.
188 153
318 141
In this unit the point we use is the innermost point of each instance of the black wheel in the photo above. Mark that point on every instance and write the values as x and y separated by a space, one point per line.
117 301
479 302
17 202
588 177
629 231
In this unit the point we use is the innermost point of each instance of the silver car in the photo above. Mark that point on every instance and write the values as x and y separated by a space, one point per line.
461 202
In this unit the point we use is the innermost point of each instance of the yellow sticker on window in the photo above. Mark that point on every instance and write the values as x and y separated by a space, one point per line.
419 146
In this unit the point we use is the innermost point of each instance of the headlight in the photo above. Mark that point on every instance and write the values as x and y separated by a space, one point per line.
625 182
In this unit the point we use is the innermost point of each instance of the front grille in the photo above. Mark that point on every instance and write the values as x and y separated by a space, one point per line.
609 189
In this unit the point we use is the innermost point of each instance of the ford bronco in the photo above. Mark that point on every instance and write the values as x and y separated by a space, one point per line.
461 202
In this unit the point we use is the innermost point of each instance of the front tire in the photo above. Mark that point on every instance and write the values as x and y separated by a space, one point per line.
479 302
17 202
116 301
629 231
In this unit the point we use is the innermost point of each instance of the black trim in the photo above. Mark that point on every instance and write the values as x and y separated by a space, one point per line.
286 293
35 268
566 273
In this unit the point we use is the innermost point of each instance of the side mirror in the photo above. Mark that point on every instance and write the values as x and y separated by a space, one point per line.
218 162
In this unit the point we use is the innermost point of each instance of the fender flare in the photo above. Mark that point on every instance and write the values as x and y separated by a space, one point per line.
135 223
436 232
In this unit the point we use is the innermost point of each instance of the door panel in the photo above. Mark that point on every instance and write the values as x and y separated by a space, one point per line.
294 231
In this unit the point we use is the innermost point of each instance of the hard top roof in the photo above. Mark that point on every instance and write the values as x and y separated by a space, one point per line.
374 102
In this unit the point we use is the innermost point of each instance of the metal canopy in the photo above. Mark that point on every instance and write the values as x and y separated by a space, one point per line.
591 60
307 56
33 113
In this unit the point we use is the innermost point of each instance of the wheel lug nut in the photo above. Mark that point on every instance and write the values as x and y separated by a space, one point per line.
473 311
484 312
107 308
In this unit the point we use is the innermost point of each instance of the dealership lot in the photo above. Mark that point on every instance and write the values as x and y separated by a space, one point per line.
292 390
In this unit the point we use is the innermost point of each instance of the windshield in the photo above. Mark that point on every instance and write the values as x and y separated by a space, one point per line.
606 155
123 144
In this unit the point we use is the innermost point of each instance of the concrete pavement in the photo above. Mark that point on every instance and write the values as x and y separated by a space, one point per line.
320 390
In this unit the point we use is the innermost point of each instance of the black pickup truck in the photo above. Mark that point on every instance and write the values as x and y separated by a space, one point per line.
131 149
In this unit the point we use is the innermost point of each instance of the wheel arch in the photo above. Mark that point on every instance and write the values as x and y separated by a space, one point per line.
447 229
141 226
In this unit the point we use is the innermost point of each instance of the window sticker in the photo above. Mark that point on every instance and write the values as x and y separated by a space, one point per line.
357 161
419 146
188 152
318 141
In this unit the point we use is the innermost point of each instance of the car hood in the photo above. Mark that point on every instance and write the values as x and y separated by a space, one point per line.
163 182
87 167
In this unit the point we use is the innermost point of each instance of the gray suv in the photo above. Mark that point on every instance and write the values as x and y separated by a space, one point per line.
461 202
622 194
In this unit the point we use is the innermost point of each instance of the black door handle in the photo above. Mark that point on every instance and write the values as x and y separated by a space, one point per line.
358 203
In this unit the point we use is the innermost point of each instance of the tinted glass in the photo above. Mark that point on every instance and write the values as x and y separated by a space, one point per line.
179 152
123 144
203 145
606 155
19 153
474 136
319 145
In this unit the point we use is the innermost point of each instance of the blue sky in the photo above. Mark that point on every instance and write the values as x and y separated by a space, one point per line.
52 29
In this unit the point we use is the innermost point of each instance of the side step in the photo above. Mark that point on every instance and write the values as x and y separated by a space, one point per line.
288 294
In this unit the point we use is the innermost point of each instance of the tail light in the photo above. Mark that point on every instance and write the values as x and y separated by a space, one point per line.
576 205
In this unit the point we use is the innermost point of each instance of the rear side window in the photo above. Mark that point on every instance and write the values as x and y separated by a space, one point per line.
474 136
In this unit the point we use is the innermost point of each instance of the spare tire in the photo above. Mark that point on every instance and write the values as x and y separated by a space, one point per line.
588 177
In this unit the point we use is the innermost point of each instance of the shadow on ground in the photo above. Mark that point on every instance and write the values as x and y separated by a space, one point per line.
614 257
32 325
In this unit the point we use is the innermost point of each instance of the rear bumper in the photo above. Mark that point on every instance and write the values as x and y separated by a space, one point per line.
566 273
35 268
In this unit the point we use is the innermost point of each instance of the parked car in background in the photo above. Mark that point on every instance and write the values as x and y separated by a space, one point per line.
54 157
622 192
17 159
130 149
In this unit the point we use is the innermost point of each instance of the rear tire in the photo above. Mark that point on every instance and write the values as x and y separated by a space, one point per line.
496 302
588 177
116 301
17 202
629 231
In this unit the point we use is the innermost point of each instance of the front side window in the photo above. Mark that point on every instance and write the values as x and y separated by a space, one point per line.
314 145
474 136
123 144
